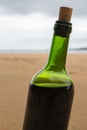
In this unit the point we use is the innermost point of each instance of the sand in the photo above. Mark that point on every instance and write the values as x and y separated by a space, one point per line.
16 71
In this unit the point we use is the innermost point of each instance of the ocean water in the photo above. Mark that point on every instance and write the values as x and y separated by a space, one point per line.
33 33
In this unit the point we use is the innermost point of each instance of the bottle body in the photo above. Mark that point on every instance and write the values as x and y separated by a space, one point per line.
51 90
48 108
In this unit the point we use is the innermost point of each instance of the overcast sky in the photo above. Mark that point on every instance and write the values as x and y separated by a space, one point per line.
28 24
46 6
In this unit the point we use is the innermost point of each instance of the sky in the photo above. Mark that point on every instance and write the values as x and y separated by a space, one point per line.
46 6
28 24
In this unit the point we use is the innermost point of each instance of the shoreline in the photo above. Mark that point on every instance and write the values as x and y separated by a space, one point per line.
71 50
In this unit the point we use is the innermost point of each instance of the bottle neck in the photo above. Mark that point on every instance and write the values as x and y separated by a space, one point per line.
58 52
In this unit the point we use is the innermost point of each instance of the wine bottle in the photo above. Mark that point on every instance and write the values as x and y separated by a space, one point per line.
51 90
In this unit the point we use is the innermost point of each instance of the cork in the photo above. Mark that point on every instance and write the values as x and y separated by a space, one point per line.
65 14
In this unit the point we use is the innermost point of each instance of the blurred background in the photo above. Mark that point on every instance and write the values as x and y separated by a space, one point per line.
27 25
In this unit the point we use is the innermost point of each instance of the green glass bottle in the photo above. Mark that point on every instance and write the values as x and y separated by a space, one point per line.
51 90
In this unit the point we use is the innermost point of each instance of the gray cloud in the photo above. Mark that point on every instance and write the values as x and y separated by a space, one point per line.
51 7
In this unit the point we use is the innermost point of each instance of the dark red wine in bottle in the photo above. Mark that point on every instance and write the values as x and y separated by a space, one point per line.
51 90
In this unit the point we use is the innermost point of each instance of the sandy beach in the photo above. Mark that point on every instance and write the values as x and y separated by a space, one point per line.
16 71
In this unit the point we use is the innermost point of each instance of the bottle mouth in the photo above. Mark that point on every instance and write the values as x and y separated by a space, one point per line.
64 23
62 28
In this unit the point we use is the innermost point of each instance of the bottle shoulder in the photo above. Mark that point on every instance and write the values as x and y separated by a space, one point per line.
49 78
